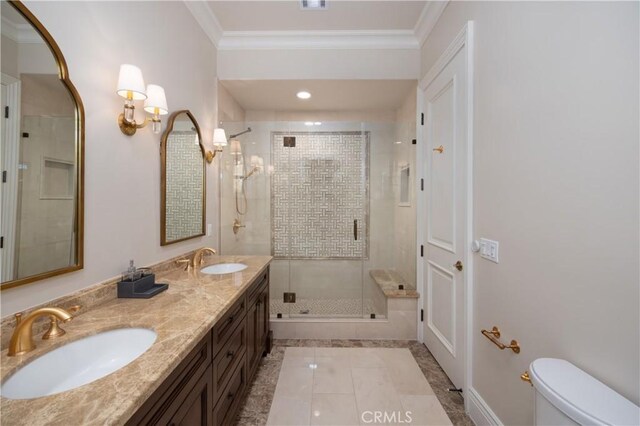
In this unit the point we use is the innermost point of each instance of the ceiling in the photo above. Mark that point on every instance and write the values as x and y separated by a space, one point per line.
340 15
326 95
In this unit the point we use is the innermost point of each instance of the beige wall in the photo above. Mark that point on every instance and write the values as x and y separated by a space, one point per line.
404 154
122 195
321 64
556 183
9 60
229 110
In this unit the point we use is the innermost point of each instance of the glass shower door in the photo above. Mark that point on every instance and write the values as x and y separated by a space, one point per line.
326 193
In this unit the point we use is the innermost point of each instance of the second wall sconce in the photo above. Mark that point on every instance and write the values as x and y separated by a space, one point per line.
131 88
219 141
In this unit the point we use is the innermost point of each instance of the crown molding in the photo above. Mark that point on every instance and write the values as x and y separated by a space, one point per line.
347 39
428 19
204 16
20 33
268 40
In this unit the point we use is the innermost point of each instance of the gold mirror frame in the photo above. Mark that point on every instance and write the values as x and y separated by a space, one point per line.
63 74
163 178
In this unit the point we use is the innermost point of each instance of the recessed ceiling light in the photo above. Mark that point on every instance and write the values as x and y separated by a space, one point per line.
317 123
303 95
398 142
308 123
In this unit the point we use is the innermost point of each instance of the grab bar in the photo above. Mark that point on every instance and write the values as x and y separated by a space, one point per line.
494 335
355 229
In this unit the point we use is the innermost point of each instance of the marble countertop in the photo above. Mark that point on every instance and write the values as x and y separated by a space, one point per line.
181 316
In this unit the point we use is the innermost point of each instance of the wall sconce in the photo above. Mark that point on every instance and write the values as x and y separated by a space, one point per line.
131 88
219 141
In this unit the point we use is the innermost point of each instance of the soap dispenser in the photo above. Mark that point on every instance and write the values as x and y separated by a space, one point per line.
139 283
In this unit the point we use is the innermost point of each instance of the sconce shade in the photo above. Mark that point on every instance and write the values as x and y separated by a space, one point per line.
156 99
219 137
130 80
236 148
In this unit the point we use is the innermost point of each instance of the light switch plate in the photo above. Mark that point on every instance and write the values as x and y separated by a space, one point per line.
209 227
489 249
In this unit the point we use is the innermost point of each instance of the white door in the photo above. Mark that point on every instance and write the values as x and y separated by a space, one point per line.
445 191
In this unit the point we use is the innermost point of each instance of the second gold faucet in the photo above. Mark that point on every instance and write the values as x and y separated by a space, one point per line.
197 258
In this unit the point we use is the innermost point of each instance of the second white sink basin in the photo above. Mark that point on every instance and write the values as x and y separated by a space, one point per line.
224 268
78 363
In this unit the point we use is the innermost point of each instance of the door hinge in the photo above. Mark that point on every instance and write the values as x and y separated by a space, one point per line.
4 176
421 251
421 184
422 118
1 242
421 315
6 112
414 141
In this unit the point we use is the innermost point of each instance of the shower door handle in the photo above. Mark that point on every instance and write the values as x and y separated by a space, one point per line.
355 229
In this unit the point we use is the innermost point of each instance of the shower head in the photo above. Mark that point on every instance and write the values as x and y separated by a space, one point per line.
241 133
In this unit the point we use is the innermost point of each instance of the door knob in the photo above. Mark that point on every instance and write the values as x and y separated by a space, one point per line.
458 265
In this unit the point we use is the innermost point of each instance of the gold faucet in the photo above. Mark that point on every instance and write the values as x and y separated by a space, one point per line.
197 257
22 337
237 225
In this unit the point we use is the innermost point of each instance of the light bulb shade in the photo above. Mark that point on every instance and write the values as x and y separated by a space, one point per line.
236 148
254 161
156 99
219 137
130 81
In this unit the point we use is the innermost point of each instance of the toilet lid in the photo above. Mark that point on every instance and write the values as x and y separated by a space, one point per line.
580 396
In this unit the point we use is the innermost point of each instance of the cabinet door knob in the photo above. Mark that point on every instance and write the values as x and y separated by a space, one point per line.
458 265
230 320
229 395
230 354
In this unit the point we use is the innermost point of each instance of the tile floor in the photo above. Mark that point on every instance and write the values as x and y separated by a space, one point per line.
326 389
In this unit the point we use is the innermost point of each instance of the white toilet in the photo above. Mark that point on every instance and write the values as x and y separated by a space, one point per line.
566 395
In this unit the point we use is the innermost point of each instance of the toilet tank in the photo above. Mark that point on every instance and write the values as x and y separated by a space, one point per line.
566 395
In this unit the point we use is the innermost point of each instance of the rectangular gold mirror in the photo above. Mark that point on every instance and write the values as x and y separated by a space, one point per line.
42 155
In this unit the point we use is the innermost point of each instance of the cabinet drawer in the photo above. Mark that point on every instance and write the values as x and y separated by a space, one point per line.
163 404
229 321
228 357
227 405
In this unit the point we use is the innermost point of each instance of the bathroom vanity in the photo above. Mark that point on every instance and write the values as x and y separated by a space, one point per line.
208 386
212 331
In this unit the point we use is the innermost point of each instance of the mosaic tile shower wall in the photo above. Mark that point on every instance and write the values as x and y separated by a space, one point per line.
185 178
319 187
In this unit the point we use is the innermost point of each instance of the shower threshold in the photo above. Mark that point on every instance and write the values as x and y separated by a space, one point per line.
325 309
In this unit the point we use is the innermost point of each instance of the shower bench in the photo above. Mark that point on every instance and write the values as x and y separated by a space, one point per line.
392 284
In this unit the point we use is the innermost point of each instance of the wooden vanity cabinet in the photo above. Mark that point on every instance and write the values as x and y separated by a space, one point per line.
257 322
207 388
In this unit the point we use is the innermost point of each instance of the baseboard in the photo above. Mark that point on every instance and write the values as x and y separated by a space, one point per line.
479 411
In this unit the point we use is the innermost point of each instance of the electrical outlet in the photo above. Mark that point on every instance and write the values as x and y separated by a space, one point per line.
489 249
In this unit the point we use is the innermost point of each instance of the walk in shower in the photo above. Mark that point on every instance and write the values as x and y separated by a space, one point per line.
321 198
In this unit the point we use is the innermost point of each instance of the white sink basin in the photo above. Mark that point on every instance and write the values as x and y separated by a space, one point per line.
78 363
224 268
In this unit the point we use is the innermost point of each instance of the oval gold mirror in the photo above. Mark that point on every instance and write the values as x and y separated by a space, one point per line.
42 154
183 180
